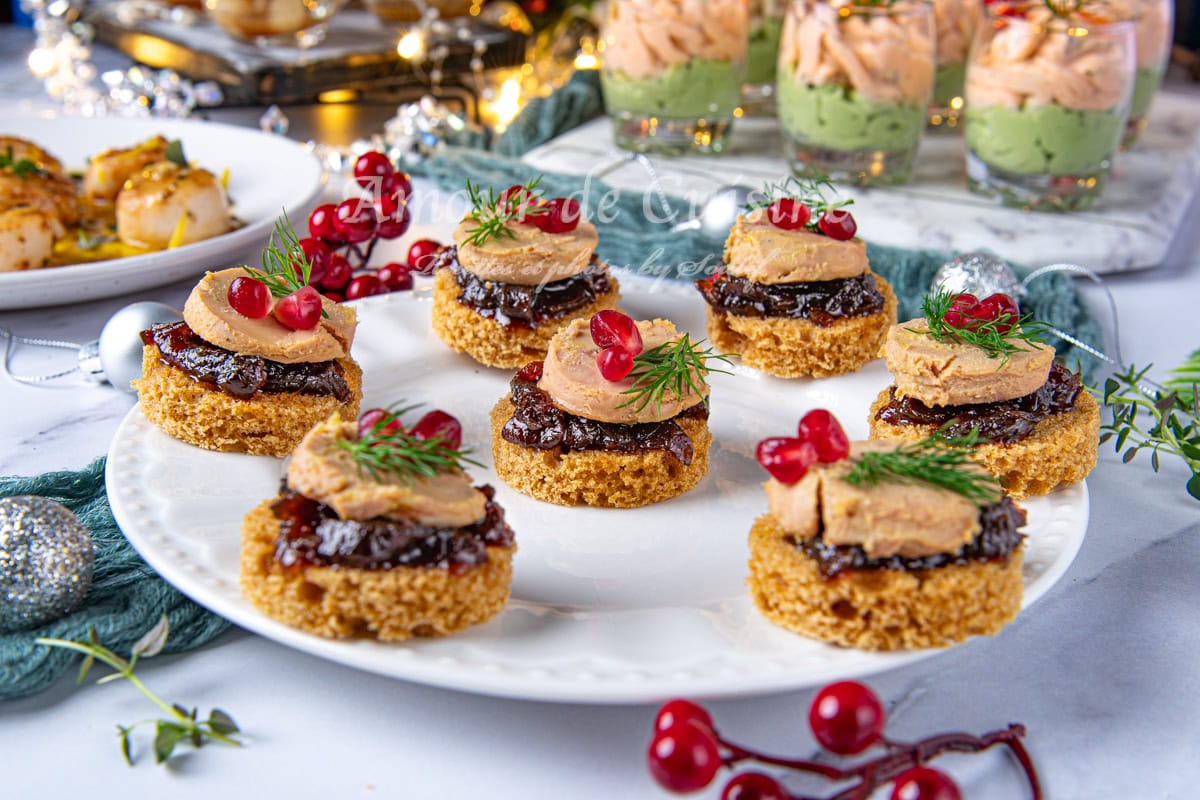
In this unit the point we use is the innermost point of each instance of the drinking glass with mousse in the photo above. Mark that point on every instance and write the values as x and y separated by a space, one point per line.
766 25
1153 25
956 21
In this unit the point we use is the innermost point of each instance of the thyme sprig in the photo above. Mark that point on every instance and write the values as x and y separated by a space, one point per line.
998 338
390 450
181 724
677 366
21 167
1166 420
936 460
284 265
812 192
492 217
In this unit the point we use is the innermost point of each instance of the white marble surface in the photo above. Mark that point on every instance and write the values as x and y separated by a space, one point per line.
1131 227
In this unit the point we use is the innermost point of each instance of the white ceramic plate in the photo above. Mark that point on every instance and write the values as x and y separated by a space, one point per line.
266 175
608 605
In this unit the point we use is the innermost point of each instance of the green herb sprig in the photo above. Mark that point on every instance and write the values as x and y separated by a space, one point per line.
1172 413
936 460
984 334
21 167
491 217
677 366
285 268
382 452
812 192
174 153
181 725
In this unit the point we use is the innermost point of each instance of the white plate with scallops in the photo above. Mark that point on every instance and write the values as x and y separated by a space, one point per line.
267 175
608 605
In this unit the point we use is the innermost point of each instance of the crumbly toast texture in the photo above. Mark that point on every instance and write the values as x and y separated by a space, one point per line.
596 477
796 348
261 425
389 605
1061 450
489 342
880 609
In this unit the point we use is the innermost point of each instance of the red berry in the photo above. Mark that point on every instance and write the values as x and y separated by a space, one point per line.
963 301
300 310
386 421
612 328
531 372
337 273
320 223
561 216
250 298
837 224
394 226
372 170
354 220
364 286
954 319
439 425
317 253
675 712
516 190
846 717
786 458
825 433
923 783
1003 309
614 362
788 214
754 786
520 201
335 297
684 757
398 186
422 254
396 277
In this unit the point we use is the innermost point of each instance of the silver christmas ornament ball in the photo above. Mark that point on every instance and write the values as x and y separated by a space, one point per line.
117 356
45 562
981 274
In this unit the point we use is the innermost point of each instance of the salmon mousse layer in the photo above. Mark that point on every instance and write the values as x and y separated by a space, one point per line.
615 416
522 268
797 296
883 546
976 366
378 532
259 359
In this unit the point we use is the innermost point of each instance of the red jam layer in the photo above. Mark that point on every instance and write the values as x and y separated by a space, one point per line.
996 541
312 534
538 424
820 302
242 375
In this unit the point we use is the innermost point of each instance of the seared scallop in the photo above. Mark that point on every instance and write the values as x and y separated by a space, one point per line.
108 171
27 237
23 149
51 193
169 205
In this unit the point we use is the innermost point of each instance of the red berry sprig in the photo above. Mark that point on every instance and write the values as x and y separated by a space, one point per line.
819 437
686 752
968 311
798 204
492 214
992 324
621 341
285 273
386 446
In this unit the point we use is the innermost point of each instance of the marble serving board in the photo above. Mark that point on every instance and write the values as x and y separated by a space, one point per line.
1131 227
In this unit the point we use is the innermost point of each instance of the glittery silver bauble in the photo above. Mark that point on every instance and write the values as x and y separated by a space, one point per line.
117 356
981 274
45 562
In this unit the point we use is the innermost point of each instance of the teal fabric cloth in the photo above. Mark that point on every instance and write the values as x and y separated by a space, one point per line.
126 599
635 234
543 118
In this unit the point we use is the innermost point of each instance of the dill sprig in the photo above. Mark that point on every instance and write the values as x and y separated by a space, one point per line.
936 460
998 338
677 366
390 450
809 191
285 268
491 217
21 167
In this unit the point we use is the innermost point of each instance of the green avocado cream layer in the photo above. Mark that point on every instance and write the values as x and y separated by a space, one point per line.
835 117
763 54
1144 87
949 83
1046 140
693 90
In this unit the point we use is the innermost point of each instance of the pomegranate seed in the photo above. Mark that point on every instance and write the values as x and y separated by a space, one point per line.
788 214
396 277
394 226
684 757
320 223
825 433
754 786
846 717
1003 309
614 362
354 220
317 254
250 298
398 186
337 273
372 170
300 310
386 420
439 425
924 783
422 254
531 372
561 216
612 328
678 711
954 319
787 459
364 286
963 301
838 224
